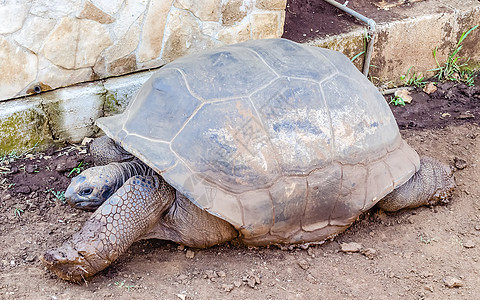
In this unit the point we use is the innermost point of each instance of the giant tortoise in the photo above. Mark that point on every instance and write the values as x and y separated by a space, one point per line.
268 141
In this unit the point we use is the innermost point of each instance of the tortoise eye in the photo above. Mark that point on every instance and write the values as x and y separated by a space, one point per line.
86 191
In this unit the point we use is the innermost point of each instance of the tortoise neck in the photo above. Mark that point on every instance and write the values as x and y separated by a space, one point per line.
125 170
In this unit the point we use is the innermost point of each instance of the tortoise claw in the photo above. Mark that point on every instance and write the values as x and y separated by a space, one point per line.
67 263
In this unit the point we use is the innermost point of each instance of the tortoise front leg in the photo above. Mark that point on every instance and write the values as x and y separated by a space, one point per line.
112 228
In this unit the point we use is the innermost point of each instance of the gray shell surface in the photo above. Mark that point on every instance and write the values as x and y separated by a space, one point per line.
287 142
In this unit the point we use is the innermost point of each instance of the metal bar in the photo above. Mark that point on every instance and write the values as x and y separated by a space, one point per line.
371 23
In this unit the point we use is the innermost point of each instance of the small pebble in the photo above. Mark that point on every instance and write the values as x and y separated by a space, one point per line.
303 263
227 287
469 244
190 254
350 247
452 282
221 274
459 163
310 252
428 288
430 88
182 296
369 252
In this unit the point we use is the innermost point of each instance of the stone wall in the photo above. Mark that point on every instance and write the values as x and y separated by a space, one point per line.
47 44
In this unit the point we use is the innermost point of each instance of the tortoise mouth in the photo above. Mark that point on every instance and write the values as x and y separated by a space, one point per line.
87 203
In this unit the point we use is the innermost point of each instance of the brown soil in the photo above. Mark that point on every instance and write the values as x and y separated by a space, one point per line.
413 254
307 19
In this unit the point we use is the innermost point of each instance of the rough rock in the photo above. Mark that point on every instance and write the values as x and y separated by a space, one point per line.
271 4
265 25
452 282
81 40
207 10
94 13
350 247
235 34
234 11
17 70
109 7
153 30
12 16
34 42
184 36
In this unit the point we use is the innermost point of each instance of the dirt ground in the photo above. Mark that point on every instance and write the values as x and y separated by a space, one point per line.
308 19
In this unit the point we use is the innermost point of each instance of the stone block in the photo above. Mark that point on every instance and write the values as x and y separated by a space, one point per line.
124 45
23 125
131 12
124 65
265 25
234 11
18 68
94 13
80 40
271 4
34 32
235 34
207 10
72 111
153 30
54 9
12 16
120 90
184 36
110 7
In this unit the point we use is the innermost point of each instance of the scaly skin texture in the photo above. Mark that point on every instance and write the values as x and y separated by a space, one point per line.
118 222
104 150
431 185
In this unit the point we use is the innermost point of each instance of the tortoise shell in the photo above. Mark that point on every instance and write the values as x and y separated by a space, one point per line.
287 142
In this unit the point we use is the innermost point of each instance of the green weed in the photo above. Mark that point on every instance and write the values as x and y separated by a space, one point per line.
426 240
366 39
12 155
397 100
414 79
17 212
121 284
455 68
15 155
59 195
77 170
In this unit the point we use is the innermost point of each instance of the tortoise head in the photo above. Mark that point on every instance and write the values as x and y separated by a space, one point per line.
92 187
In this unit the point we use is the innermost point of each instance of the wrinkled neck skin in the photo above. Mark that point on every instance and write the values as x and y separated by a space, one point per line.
123 171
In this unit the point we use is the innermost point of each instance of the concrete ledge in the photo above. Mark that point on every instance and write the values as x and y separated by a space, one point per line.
63 115
409 40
